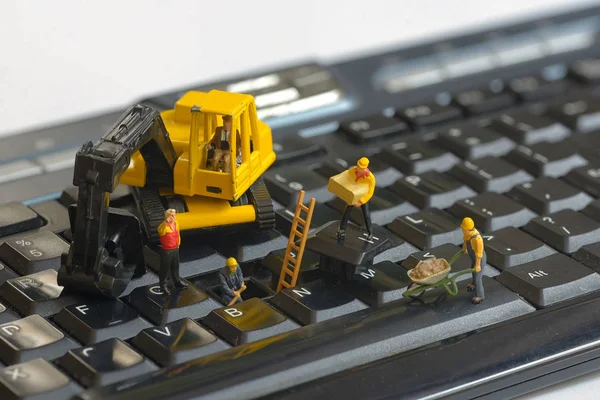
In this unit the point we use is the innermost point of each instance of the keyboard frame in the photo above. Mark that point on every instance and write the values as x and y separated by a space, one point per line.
564 356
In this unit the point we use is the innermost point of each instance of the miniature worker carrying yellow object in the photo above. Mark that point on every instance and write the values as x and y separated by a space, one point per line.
355 186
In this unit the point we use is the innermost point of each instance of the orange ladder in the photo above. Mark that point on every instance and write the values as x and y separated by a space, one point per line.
294 251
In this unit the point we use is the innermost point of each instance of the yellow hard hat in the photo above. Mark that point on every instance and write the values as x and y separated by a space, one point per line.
231 262
363 163
467 224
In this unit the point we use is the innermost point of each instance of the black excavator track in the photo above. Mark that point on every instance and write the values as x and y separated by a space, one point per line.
259 196
151 211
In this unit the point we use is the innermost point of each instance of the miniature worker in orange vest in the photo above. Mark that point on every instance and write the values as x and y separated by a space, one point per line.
170 240
360 174
473 245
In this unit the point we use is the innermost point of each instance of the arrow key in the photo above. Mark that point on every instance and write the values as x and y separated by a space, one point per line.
510 246
105 363
566 230
550 280
428 228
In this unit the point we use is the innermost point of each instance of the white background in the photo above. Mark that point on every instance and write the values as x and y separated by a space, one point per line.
63 59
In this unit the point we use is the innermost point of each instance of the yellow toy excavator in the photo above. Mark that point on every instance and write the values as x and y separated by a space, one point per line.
203 158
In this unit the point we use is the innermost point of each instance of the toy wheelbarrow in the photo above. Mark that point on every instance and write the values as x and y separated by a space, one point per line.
418 287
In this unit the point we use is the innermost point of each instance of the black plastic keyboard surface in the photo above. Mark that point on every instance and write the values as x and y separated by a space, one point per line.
503 128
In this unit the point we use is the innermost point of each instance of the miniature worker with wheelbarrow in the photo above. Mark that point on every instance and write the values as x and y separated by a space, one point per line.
473 246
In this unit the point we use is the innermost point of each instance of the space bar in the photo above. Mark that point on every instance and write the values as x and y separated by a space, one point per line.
314 351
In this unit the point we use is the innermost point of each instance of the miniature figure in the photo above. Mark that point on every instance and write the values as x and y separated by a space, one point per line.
473 245
232 282
220 143
355 186
170 241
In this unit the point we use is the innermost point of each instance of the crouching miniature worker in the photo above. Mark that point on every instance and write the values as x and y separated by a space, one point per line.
232 282
359 174
473 246
170 240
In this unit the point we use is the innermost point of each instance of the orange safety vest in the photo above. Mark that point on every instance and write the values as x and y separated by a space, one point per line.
169 235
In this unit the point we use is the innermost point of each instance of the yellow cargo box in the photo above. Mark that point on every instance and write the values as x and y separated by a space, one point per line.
344 187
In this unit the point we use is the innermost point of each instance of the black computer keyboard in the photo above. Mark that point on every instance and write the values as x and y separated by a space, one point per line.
501 126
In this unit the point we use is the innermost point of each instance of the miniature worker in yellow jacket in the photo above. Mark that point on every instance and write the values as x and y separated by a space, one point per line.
360 174
473 246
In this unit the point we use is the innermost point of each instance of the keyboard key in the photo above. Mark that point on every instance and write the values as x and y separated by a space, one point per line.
249 247
417 156
534 88
446 251
566 230
385 174
104 363
384 206
485 100
193 260
16 217
7 315
315 302
37 186
527 128
285 185
550 280
429 114
380 283
548 195
18 170
248 321
309 266
35 379
399 249
586 178
589 255
510 246
492 211
489 174
431 189
428 228
322 214
37 294
177 342
160 308
547 159
30 253
54 214
586 71
293 148
30 338
581 113
95 321
472 142
371 128
6 274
